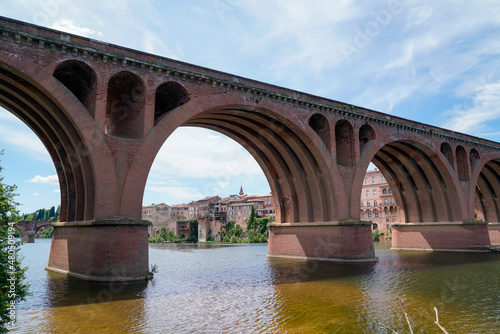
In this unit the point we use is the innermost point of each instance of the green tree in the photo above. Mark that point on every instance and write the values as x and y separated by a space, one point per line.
262 225
229 226
251 220
164 234
193 235
52 213
13 287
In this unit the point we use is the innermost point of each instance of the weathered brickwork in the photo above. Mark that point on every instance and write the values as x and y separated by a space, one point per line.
447 237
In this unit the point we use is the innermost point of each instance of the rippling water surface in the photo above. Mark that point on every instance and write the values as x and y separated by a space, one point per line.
210 288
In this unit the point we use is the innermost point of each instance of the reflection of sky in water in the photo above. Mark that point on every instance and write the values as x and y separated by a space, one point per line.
208 288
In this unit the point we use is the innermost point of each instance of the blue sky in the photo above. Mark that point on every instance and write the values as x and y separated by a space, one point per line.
436 62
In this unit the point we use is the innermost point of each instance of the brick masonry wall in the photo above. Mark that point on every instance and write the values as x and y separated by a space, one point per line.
100 251
440 236
494 231
336 243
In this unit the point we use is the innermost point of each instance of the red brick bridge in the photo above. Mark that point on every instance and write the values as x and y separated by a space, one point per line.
104 111
28 229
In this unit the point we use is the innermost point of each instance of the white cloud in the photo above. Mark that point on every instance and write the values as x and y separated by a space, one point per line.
482 109
36 194
199 153
16 133
57 191
68 25
51 179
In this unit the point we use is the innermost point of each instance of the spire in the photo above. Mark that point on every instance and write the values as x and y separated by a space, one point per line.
241 191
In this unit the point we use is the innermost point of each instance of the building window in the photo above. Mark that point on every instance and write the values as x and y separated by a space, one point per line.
375 203
369 214
386 211
383 178
390 191
384 191
368 203
373 179
374 192
366 180
361 203
362 214
376 213
385 201
392 201
375 226
368 193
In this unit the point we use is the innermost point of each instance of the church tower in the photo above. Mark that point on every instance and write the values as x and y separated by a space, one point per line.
241 191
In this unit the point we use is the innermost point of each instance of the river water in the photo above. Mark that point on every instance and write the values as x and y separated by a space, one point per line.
209 288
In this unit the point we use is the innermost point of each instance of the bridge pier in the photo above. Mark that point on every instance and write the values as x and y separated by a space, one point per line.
468 236
27 236
30 237
494 230
344 241
101 250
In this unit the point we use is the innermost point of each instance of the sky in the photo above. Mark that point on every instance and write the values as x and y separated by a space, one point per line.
436 62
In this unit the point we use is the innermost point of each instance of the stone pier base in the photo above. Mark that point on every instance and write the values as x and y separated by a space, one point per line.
462 237
28 237
115 249
494 231
345 241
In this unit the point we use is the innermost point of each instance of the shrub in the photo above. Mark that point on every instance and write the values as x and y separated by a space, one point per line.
12 276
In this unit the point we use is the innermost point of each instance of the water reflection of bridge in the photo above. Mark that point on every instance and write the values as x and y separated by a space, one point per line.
28 229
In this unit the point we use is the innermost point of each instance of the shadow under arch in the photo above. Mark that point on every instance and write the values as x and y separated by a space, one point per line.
298 177
487 191
422 183
47 119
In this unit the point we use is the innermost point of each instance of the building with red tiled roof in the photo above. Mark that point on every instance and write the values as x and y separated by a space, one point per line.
214 212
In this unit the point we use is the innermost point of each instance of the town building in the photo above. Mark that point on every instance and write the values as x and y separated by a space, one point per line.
157 214
212 213
377 202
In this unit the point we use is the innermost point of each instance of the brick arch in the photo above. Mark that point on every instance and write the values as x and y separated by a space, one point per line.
125 104
485 191
297 169
366 135
344 143
169 95
297 176
423 184
425 188
448 153
475 158
463 165
80 79
36 107
320 125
